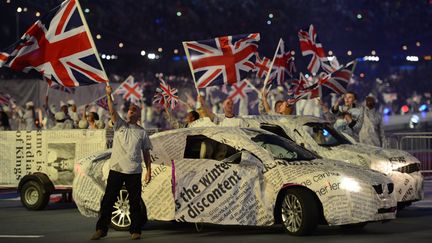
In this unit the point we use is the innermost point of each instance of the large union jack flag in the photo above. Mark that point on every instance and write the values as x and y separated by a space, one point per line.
130 90
59 47
223 60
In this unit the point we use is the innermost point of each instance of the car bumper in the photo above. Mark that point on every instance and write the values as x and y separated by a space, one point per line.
408 186
363 206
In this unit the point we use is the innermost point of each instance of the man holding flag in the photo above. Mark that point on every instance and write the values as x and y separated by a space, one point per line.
131 143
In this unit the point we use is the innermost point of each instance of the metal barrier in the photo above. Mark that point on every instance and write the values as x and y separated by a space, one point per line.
418 144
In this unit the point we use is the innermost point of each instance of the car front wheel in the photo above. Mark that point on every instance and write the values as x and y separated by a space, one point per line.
299 211
120 217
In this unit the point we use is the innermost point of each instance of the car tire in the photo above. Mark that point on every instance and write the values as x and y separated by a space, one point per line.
299 211
33 196
120 217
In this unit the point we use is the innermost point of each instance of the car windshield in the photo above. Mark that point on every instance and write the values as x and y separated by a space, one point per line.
325 135
282 148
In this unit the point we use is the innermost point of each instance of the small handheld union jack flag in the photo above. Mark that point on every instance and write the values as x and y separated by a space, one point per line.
239 91
283 64
130 90
337 81
102 102
262 66
169 93
309 46
158 97
59 47
222 60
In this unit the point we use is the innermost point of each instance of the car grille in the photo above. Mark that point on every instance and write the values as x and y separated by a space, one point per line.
379 188
387 210
414 167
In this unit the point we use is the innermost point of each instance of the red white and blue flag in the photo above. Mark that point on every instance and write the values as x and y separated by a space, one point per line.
222 60
239 91
169 93
130 90
262 66
310 46
59 47
337 81
283 64
102 102
158 97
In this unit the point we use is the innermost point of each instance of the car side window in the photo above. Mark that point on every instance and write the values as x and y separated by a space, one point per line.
202 147
276 130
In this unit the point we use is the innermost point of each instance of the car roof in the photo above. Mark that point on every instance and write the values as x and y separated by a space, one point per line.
208 131
298 120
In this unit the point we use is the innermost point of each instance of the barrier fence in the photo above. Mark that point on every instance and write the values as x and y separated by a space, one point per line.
418 144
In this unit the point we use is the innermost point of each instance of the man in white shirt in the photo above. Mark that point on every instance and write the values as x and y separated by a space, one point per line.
130 144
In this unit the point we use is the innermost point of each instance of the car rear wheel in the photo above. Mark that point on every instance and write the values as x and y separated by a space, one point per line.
33 196
120 217
299 211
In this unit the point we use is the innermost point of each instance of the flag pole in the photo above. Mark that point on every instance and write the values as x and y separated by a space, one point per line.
190 65
91 39
271 65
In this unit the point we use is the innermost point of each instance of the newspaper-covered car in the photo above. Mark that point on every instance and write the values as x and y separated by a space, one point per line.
241 176
318 136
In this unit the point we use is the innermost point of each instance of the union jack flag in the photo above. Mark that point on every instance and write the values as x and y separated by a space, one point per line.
223 60
337 81
300 89
262 66
130 90
283 63
102 102
309 46
59 48
158 97
169 93
238 91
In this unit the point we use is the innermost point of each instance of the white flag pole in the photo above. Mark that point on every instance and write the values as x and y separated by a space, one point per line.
271 65
190 65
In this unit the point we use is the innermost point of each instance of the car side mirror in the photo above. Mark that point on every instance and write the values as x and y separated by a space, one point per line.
249 158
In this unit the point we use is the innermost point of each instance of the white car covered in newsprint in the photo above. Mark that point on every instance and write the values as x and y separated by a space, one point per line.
242 176
318 136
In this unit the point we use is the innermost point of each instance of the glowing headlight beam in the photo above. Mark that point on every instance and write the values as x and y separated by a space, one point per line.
349 184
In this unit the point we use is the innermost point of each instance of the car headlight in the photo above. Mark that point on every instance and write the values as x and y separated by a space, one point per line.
350 184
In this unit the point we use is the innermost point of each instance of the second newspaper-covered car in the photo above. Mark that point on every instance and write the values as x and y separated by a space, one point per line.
318 136
241 176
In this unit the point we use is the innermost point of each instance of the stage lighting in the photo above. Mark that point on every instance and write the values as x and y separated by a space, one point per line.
414 121
387 111
404 109
423 108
